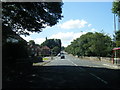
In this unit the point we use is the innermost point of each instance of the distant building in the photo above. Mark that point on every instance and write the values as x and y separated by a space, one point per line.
33 49
45 51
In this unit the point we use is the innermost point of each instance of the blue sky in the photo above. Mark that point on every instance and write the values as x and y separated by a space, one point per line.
79 18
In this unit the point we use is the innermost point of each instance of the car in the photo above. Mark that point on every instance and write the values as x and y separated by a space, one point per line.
62 56
58 55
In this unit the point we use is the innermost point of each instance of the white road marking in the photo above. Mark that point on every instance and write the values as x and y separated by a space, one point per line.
73 63
105 82
76 65
99 78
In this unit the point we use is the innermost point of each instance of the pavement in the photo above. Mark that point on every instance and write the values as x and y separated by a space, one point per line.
107 64
110 65
45 61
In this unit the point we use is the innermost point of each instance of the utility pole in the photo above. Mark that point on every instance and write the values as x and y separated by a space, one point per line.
114 23
115 29
118 22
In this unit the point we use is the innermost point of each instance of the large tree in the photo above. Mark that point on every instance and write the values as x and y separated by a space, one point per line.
53 44
91 44
101 45
25 17
116 11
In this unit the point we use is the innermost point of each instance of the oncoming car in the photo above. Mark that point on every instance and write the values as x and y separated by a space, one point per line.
62 56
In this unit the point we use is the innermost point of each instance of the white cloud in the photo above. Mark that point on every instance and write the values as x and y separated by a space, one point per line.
93 30
67 37
73 24
64 36
27 38
89 25
37 40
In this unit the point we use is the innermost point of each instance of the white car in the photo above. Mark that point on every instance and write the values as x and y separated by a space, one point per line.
59 55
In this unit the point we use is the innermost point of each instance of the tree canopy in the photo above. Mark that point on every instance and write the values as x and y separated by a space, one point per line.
53 44
116 10
32 42
91 44
117 38
116 7
25 17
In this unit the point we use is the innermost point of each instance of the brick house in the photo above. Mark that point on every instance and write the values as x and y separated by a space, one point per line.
45 51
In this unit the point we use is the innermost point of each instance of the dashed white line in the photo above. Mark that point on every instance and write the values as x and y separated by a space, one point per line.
76 65
99 78
105 82
73 63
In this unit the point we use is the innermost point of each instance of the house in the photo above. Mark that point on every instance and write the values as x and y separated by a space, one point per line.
14 47
33 49
45 51
10 36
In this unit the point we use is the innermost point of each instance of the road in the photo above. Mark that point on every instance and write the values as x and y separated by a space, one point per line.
70 72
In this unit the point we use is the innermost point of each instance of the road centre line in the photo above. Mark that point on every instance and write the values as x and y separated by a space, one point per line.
105 82
73 63
99 78
77 65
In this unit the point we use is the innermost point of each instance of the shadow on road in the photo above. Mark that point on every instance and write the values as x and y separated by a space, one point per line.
62 77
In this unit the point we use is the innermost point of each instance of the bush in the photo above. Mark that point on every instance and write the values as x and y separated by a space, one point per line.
37 59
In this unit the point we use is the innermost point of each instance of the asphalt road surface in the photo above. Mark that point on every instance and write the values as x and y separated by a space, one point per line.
70 72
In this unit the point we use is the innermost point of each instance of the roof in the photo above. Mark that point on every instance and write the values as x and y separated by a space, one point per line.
116 48
45 47
8 33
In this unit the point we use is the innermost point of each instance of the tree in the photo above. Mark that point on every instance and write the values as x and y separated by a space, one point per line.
85 43
32 42
91 44
53 44
25 17
117 38
56 50
101 45
116 8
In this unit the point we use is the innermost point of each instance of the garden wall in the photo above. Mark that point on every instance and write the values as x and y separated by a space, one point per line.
106 59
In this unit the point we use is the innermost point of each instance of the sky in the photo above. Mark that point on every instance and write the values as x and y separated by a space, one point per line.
79 18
